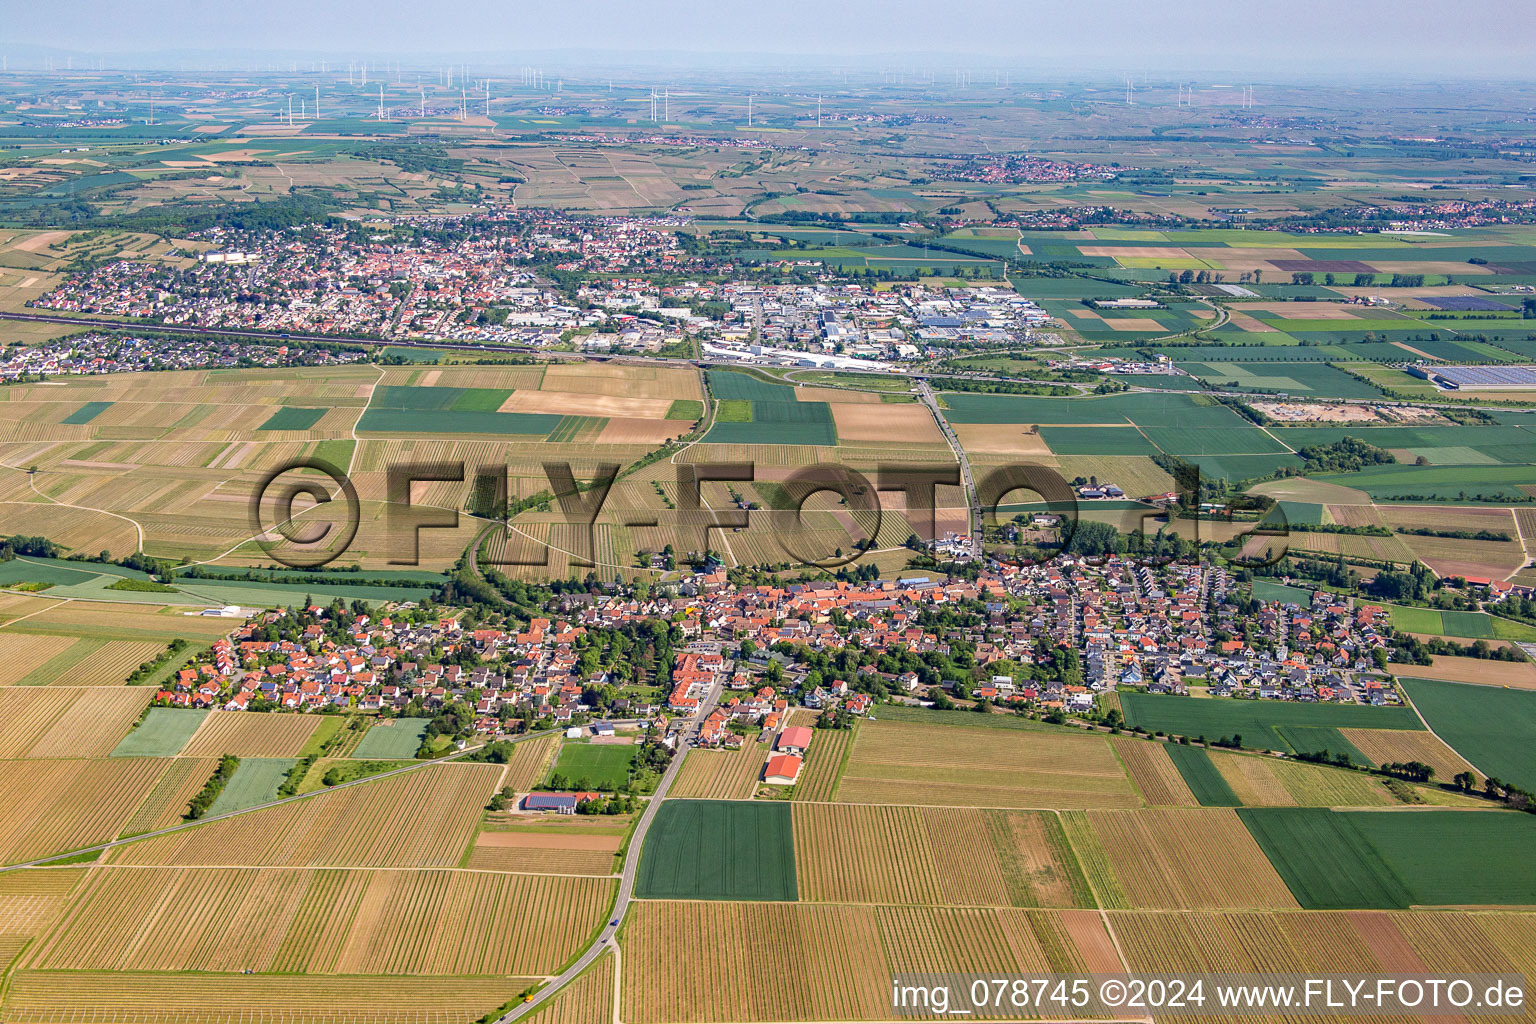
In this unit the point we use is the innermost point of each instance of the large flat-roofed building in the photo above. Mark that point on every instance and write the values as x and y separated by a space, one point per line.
1491 378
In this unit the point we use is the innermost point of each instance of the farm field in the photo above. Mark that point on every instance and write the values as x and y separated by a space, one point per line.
1154 772
696 947
822 770
246 734
255 782
421 819
1273 725
56 805
321 921
719 850
1209 785
587 765
565 851
940 856
164 732
1399 859
392 739
1187 858
1322 941
908 763
722 774
59 721
589 998
1493 728
1400 745
1259 781
530 760
1514 675
55 998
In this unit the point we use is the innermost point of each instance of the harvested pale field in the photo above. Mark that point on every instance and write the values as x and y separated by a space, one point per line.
823 766
1253 779
641 431
1167 252
941 856
546 852
324 922
248 734
77 529
1517 675
40 997
910 423
166 804
1383 746
1190 858
111 664
54 806
92 721
1002 439
21 653
1154 774
530 759
423 818
694 962
721 774
587 1000
30 904
1322 942
570 403
837 395
622 380
945 765
1455 556
128 622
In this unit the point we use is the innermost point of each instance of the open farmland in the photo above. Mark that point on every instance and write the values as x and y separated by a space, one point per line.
899 762
1401 745
1153 772
1270 782
1199 772
55 805
251 735
559 851
1267 724
1187 858
313 921
1493 728
935 855
721 774
589 998
423 818
822 770
31 902
60 721
719 850
58 998
1342 859
163 732
529 762
695 949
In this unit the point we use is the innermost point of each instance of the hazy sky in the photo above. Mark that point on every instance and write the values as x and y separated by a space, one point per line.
1417 38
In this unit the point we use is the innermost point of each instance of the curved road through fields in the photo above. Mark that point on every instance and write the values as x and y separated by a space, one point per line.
608 938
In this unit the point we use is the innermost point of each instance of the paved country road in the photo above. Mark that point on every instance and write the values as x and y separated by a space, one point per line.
607 938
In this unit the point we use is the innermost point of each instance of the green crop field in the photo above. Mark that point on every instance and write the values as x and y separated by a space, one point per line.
1456 858
87 412
396 739
719 850
162 733
1261 723
1471 625
1325 861
292 417
407 409
1097 441
1447 485
255 782
1201 776
587 765
1490 726
685 409
1264 590
1310 379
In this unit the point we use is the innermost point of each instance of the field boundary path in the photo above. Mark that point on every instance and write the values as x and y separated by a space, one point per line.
607 939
